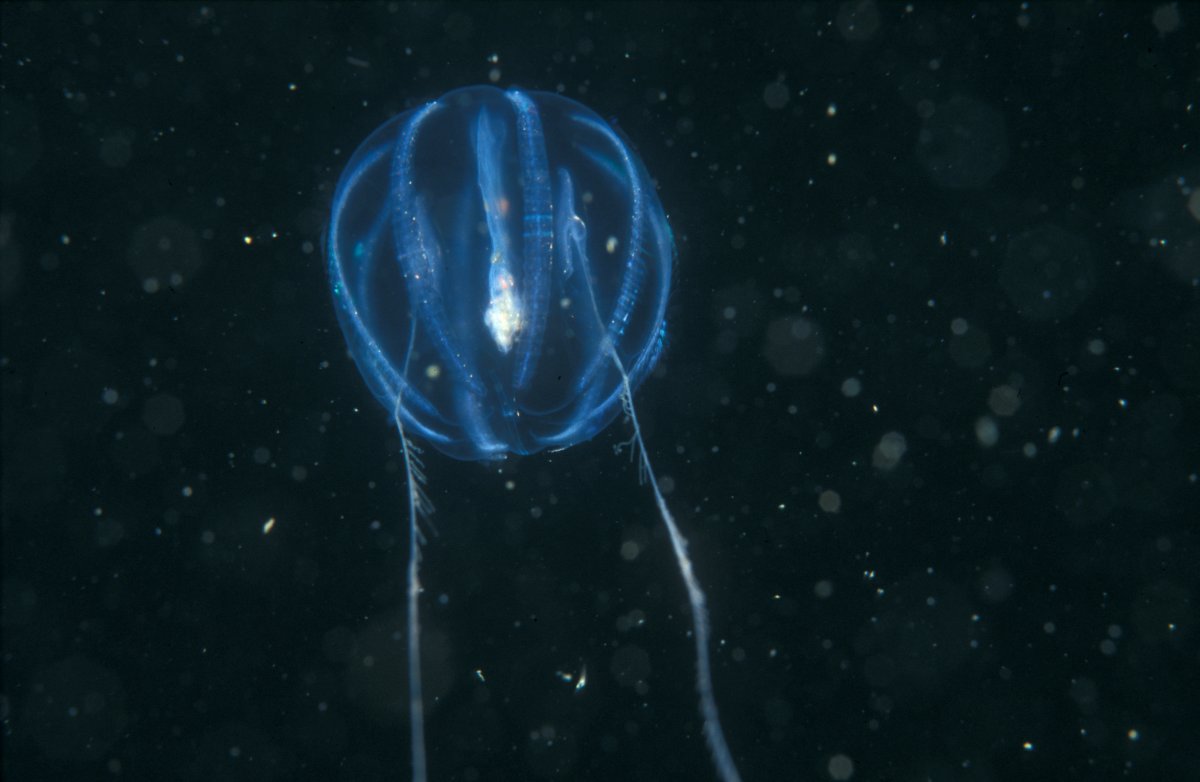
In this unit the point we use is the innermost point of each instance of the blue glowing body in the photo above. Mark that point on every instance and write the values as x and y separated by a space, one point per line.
486 251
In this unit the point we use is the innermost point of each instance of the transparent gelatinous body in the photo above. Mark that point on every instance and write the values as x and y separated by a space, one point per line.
486 249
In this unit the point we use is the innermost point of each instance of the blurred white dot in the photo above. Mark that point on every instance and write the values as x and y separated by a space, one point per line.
1004 400
1166 18
888 452
986 431
840 767
776 95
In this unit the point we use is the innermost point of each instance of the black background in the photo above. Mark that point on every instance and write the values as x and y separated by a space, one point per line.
1012 598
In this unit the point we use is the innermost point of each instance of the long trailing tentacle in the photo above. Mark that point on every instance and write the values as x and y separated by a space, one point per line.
419 507
713 735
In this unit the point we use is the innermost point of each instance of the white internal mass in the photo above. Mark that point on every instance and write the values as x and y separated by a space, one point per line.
503 314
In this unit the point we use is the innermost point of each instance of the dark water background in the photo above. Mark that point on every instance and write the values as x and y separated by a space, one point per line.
928 413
